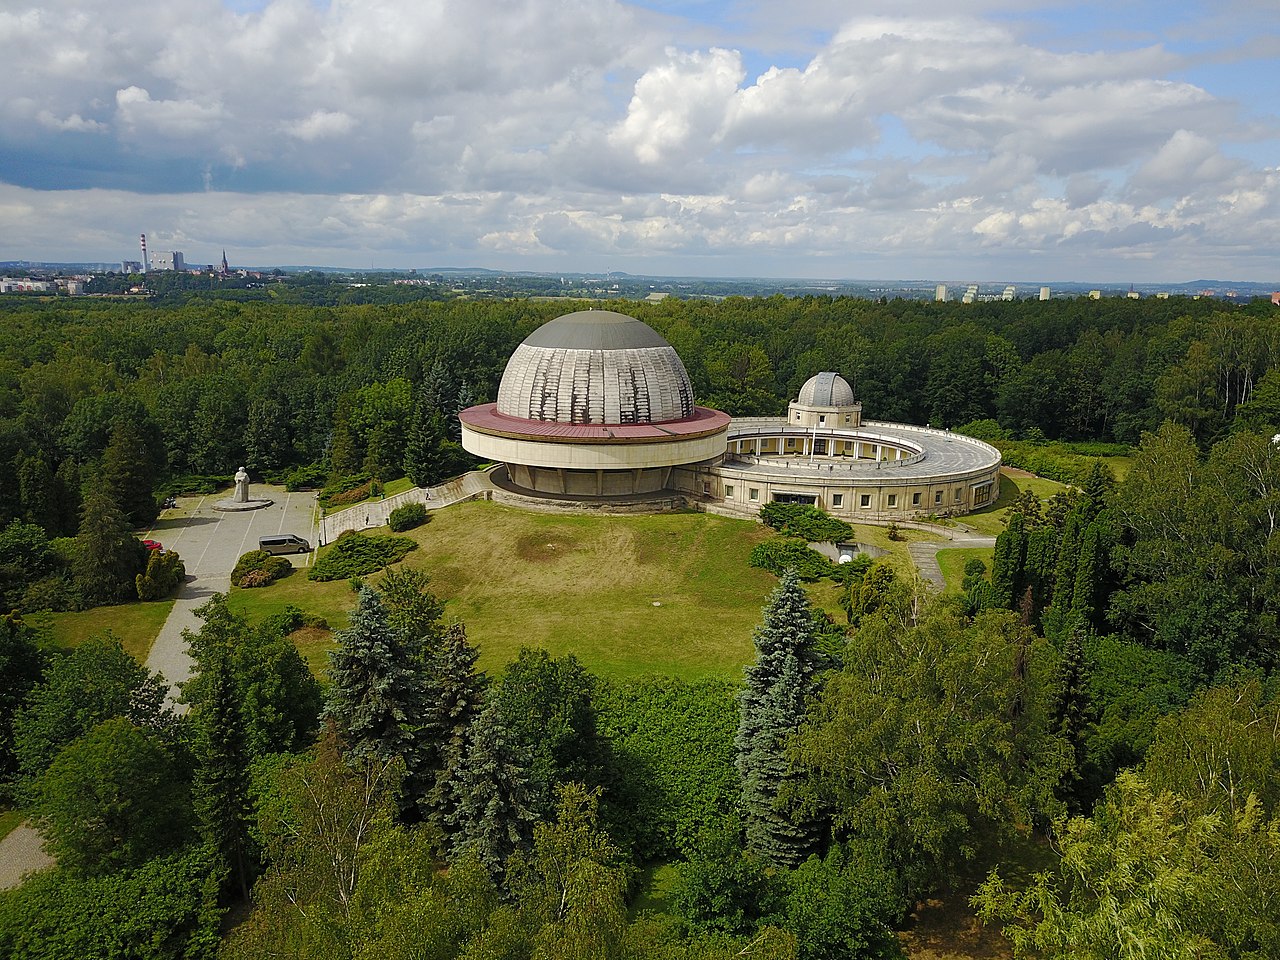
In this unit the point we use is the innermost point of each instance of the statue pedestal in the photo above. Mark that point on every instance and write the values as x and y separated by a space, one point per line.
228 505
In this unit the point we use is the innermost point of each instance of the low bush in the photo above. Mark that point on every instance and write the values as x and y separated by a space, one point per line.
355 554
288 620
407 517
804 521
309 476
164 572
194 484
778 554
256 562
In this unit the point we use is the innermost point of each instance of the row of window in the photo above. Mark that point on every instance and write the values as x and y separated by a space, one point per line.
864 500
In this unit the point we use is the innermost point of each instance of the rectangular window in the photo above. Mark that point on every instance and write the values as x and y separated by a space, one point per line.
848 418
837 499
797 416
753 494
937 497
791 443
959 495
822 420
893 499
915 499
728 491
865 500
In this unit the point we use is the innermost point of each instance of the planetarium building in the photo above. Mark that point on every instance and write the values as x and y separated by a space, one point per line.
596 410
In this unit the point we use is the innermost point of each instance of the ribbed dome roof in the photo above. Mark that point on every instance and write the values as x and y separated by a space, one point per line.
595 366
826 390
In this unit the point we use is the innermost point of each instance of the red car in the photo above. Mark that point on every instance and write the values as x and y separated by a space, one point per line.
152 544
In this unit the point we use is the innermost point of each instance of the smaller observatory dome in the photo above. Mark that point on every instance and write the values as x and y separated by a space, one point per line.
595 366
826 390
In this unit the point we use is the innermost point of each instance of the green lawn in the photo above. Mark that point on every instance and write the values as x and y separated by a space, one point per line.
952 561
628 595
666 593
990 519
8 820
136 624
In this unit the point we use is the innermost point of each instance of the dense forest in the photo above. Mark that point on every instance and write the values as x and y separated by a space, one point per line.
1105 694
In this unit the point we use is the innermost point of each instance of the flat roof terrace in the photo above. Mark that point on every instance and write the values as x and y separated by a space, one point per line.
934 453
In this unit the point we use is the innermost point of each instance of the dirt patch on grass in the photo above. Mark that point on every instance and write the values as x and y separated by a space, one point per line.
946 929
545 547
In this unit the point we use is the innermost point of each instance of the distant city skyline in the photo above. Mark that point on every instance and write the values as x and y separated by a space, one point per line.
1023 141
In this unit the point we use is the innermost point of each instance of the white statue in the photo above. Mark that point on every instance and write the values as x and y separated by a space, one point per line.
242 486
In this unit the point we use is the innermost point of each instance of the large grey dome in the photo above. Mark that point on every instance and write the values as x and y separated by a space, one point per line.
826 390
595 366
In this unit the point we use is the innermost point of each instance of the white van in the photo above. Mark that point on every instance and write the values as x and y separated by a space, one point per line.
283 543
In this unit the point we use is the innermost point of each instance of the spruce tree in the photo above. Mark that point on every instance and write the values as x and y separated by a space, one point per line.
772 706
221 788
458 696
423 447
377 692
129 472
108 556
491 813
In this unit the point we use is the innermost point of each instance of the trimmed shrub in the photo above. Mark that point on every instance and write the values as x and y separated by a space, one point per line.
256 561
808 523
355 554
778 554
164 572
407 517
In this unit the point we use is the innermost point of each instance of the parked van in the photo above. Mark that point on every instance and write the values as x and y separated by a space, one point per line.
283 543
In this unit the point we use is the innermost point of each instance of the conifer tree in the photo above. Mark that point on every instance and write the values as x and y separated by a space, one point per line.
1071 714
129 472
423 447
458 696
108 556
377 692
221 788
1064 575
490 795
772 705
1084 595
1007 573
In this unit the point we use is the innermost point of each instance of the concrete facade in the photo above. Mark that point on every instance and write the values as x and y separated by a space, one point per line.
596 406
880 471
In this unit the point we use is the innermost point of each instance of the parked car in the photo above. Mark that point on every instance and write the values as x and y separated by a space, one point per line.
153 544
283 543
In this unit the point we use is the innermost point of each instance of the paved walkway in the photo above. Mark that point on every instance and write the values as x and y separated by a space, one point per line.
210 543
924 553
21 852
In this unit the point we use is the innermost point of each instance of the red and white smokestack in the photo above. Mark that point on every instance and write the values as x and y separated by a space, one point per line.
145 262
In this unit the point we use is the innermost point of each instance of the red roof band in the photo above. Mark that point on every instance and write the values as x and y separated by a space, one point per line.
485 418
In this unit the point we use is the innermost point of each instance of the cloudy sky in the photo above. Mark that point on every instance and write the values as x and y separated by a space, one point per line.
953 139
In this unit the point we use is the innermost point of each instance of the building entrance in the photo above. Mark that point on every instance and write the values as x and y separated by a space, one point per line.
795 498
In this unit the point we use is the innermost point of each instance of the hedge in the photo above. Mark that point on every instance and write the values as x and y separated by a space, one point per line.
407 517
355 554
779 553
257 568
